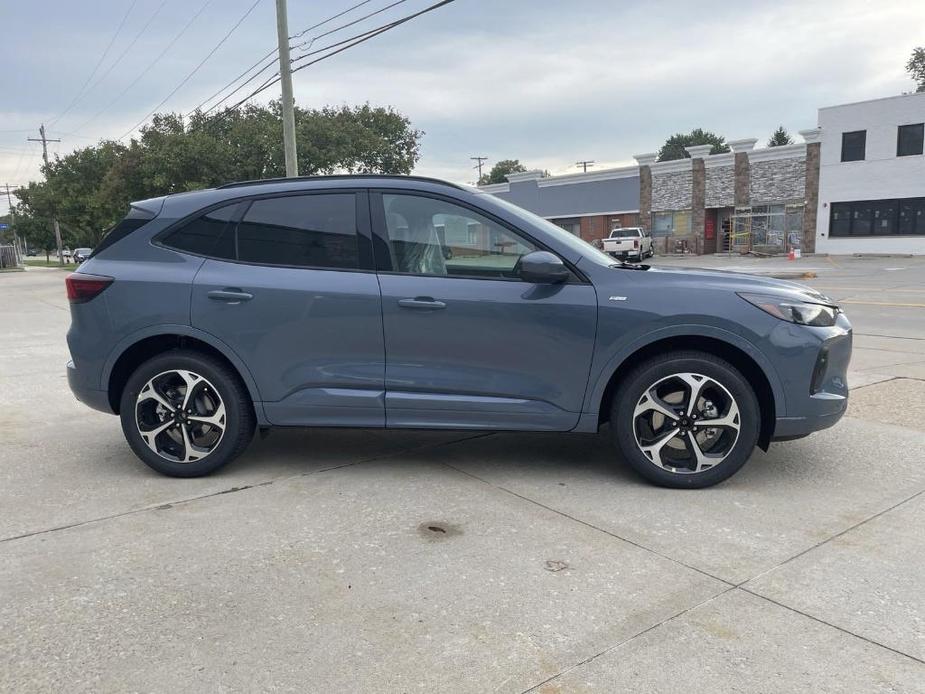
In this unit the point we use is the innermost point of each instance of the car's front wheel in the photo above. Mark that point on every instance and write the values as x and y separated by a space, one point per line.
685 419
186 414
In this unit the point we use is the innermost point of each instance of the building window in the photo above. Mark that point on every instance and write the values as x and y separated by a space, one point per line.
572 225
853 145
878 218
909 139
662 223
681 225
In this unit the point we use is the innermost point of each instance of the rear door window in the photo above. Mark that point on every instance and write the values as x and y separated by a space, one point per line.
301 231
211 234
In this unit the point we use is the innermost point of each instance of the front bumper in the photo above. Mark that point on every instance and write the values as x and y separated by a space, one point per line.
822 399
91 397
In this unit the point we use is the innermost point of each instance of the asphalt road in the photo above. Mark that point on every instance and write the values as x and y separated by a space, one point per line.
331 560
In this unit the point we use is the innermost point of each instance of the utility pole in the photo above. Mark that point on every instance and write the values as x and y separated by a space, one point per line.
478 165
585 164
9 202
54 218
285 78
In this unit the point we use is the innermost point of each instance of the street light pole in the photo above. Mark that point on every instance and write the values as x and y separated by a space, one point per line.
285 76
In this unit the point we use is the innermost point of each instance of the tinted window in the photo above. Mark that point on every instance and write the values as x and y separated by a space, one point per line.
302 230
212 234
878 217
434 237
135 219
909 139
853 145
841 219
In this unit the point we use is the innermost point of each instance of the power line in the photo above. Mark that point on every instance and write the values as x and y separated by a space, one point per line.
147 69
80 91
195 69
329 19
270 64
344 26
350 43
141 32
294 36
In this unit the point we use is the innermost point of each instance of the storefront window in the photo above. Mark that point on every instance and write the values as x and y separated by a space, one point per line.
878 217
682 223
662 223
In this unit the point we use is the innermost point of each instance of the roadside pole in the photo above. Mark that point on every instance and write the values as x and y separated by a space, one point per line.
54 219
285 76
17 248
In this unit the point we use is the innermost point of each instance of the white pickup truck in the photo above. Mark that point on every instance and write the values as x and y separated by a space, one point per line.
631 242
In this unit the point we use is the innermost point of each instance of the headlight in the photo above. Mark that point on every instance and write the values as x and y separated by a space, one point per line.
795 311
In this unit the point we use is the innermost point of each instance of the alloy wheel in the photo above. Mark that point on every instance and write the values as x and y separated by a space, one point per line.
180 416
686 423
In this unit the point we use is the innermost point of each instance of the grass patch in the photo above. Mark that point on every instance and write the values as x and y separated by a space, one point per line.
41 262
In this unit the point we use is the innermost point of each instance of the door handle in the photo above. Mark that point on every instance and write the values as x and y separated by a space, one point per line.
231 296
422 302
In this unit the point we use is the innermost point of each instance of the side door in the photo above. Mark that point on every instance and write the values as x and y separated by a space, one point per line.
468 343
290 287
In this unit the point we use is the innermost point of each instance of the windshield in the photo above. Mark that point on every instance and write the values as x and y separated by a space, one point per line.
561 235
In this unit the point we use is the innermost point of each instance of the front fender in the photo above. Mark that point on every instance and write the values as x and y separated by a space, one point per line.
606 367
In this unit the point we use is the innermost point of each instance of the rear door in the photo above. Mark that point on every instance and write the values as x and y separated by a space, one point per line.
468 343
290 287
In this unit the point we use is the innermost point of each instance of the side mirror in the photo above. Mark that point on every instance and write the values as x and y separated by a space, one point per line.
543 267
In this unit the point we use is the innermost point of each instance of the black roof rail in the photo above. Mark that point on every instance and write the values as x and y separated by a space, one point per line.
257 182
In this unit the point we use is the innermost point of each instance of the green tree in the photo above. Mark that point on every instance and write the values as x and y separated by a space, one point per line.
780 137
90 188
499 171
916 68
674 145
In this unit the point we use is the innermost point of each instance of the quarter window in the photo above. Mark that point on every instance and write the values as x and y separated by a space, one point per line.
211 235
302 231
909 139
428 236
853 145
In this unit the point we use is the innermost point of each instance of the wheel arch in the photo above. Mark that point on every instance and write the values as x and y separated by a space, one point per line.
141 346
759 375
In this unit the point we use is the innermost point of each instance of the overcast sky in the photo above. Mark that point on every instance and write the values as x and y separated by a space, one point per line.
545 82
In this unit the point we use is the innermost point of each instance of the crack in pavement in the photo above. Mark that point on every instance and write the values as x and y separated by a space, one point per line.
162 505
625 641
730 586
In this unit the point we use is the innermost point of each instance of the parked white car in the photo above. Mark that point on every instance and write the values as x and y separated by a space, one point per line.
629 242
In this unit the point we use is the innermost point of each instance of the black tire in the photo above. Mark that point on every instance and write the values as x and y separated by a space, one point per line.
636 384
239 417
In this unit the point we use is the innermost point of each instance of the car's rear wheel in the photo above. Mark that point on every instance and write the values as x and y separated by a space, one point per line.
186 414
685 419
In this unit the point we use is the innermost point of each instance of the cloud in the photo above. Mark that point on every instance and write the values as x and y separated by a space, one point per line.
540 80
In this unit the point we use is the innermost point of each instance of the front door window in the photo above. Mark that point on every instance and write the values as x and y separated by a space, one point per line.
428 236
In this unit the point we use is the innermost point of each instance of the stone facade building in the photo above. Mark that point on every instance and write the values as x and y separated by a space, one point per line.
866 158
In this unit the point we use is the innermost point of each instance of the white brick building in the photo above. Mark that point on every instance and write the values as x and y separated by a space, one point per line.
872 177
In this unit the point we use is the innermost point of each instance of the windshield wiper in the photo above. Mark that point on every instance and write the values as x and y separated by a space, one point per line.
623 265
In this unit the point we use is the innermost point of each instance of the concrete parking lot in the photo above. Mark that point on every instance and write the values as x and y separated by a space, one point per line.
331 560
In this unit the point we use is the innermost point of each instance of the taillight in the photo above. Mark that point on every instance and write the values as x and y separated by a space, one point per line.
82 288
635 243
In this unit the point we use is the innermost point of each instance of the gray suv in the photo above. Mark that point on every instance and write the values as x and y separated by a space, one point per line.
404 302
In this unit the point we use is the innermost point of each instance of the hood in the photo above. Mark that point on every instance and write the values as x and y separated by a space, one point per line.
740 282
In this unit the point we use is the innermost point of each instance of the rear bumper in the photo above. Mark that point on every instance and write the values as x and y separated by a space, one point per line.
91 397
